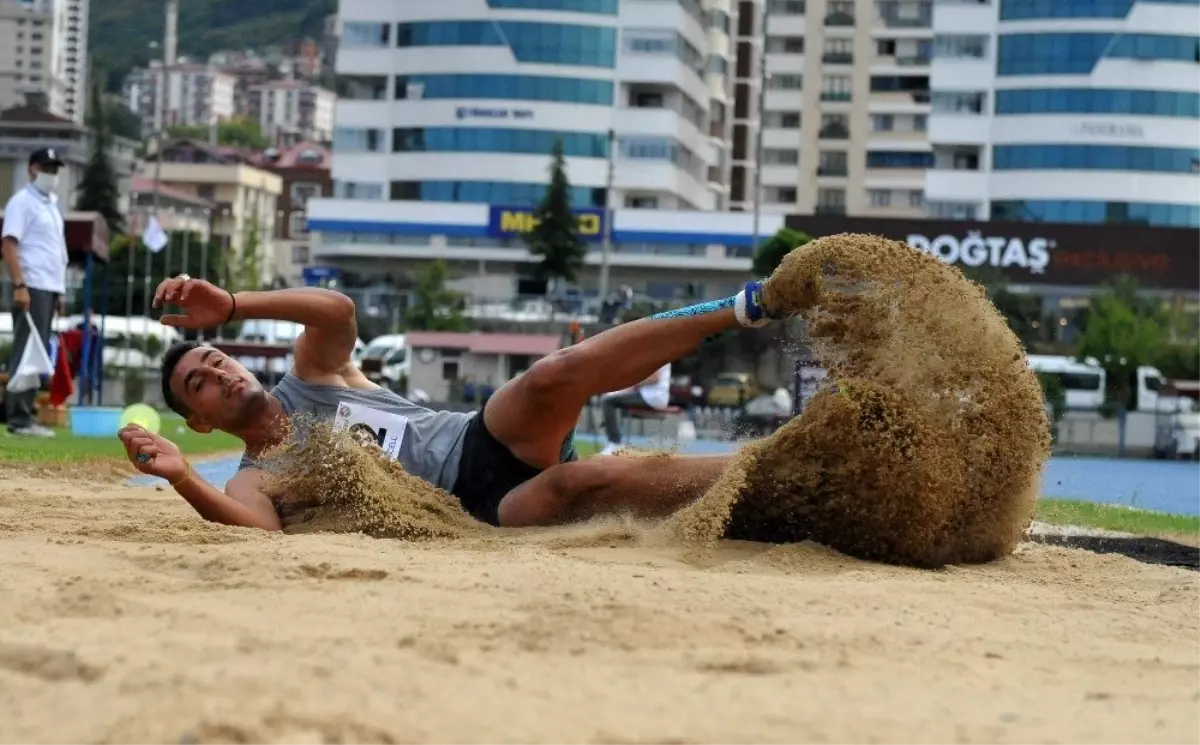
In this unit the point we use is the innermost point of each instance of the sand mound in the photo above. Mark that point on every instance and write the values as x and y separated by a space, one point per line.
926 444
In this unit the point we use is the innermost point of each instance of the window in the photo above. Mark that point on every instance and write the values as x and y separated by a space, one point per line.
1079 211
487 192
785 45
450 370
602 7
786 7
358 34
549 43
297 224
357 190
838 51
883 122
885 47
840 13
364 87
1098 101
832 163
780 157
717 19
960 46
206 191
641 203
1013 10
898 159
899 83
784 82
1078 53
880 197
497 140
781 120
916 198
300 253
834 127
350 140
919 122
781 195
302 191
1096 157
718 65
951 102
835 88
507 87
831 201
952 210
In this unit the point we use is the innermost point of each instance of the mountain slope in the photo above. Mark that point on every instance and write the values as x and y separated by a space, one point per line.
121 30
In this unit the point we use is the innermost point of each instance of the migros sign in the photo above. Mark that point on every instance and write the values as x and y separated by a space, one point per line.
508 222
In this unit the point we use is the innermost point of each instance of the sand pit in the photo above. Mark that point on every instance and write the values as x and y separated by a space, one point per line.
123 617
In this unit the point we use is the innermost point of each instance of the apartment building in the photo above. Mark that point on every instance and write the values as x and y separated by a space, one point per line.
845 108
192 95
245 195
305 173
31 56
291 111
1076 111
74 56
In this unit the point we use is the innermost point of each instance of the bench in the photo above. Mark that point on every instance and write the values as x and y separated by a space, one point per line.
641 414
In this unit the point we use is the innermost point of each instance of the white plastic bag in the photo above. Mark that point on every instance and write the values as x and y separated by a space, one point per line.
34 363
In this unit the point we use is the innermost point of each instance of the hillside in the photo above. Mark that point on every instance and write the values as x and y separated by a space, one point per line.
121 30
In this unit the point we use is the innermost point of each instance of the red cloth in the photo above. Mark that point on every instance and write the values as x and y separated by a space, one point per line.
62 385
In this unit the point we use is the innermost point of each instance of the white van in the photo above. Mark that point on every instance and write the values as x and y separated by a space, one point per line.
1148 388
385 361
1083 382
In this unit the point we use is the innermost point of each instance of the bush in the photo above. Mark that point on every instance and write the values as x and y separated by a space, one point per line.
135 388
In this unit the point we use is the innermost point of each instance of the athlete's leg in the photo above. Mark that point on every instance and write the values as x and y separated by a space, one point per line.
533 414
644 486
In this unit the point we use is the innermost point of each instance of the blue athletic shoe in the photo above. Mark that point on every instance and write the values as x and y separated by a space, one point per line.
749 308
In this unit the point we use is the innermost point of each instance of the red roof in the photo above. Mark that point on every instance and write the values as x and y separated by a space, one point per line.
479 343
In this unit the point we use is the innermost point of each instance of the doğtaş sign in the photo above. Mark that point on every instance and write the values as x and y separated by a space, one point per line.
1037 252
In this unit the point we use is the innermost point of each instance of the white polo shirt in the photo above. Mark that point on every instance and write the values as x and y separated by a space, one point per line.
37 224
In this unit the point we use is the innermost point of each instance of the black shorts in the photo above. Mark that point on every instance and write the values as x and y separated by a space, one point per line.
488 470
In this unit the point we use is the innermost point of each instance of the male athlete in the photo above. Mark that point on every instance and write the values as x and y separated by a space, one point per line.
512 465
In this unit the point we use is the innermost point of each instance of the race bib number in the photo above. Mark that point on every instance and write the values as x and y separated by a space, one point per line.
366 425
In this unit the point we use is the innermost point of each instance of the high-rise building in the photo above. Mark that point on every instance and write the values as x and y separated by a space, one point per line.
1083 111
464 100
193 95
845 107
40 53
289 111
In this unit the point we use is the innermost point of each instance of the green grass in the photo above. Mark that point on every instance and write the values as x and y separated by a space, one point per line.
1122 519
67 448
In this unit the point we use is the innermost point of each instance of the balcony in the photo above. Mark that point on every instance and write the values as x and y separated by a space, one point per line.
838 58
835 96
833 171
913 61
839 20
834 132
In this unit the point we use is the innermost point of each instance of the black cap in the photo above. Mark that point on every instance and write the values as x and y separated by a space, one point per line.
47 156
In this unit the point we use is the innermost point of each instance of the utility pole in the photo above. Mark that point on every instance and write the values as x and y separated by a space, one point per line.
170 35
606 245
762 95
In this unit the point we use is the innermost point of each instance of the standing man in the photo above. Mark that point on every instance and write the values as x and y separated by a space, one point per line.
35 254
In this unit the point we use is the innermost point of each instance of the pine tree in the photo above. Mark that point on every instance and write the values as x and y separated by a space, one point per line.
434 307
556 236
98 191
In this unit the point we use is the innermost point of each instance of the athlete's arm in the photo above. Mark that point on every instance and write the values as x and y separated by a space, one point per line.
243 503
330 328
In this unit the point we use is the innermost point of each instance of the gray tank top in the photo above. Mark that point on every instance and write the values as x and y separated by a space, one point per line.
431 445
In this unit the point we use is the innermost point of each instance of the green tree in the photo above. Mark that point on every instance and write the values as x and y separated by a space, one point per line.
1121 335
249 268
240 132
98 191
434 307
1023 311
187 255
771 252
555 237
118 119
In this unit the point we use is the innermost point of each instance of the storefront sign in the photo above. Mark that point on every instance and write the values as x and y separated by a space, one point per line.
1039 253
485 112
511 222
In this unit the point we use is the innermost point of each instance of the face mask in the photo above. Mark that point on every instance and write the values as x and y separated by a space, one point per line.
45 182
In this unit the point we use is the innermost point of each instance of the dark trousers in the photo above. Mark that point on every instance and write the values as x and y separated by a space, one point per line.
42 304
611 405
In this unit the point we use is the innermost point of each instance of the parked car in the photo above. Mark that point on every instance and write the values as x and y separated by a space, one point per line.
732 389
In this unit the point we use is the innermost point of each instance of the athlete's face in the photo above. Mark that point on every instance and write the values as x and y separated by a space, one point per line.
218 392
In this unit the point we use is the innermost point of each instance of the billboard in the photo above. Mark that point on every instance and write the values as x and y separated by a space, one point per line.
512 222
1038 253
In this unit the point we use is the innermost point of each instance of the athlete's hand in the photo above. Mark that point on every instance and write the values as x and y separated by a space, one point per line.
21 299
207 305
152 454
